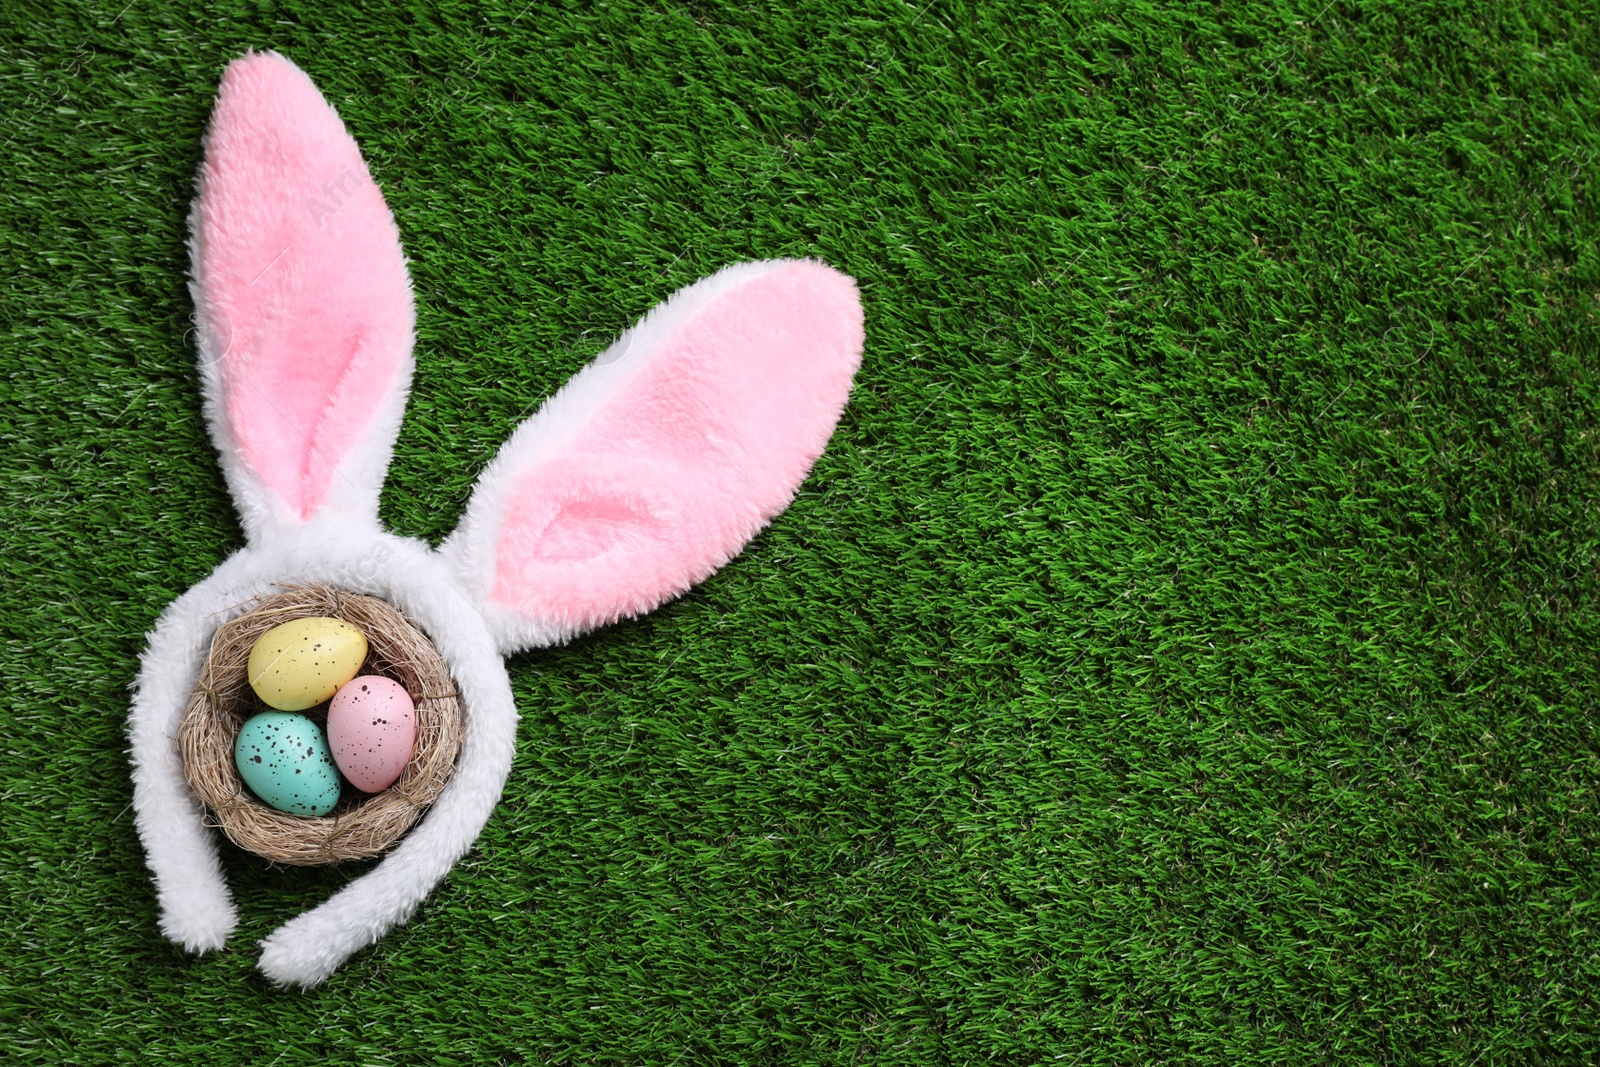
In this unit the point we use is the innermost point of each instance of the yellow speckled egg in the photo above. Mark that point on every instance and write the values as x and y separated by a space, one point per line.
302 663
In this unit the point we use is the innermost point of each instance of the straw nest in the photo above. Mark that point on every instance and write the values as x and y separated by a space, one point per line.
363 825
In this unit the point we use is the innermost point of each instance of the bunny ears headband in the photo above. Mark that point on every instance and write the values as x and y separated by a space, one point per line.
651 468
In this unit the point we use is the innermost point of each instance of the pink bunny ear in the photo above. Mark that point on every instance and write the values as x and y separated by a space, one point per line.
657 462
303 302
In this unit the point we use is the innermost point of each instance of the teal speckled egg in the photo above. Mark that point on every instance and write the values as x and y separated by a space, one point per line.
285 761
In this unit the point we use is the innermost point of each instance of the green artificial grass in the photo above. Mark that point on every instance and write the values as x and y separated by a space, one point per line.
1186 651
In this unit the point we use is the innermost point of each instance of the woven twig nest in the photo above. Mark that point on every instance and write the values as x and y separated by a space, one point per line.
362 825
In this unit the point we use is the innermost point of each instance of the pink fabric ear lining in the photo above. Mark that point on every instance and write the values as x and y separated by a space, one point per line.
689 458
303 280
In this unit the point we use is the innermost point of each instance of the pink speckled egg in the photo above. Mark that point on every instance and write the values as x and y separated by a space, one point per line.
372 725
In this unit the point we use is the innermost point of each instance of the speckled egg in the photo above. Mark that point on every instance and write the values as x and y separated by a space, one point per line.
285 761
302 663
372 725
